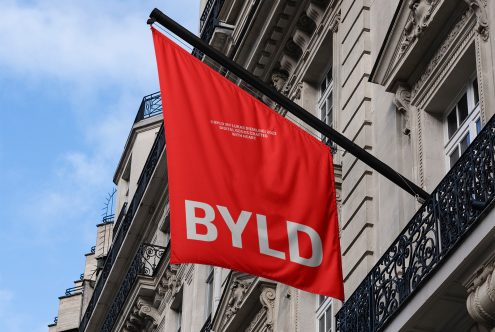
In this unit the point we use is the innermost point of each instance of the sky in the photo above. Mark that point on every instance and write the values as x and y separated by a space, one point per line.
72 76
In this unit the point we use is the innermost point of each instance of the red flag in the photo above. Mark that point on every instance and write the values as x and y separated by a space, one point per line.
249 190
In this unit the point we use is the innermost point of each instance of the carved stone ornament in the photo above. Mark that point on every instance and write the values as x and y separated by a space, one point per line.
168 282
306 24
440 53
479 9
402 101
293 50
334 24
418 21
297 91
279 77
238 291
142 315
267 299
481 299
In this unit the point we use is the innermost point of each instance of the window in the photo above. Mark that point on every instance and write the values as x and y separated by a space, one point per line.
325 103
209 292
463 123
324 315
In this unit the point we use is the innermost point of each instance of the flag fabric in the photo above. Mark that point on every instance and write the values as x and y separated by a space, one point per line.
249 190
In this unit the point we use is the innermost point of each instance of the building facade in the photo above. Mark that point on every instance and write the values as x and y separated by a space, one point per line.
412 82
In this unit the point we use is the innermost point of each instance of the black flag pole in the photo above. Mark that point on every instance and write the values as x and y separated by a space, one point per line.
157 16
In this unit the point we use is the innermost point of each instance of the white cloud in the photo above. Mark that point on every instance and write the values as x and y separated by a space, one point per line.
100 56
76 42
97 56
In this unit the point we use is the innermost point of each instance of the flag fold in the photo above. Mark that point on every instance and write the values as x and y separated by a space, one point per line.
249 190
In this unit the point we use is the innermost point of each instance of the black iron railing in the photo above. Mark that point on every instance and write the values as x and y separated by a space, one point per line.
74 290
107 219
207 325
458 203
119 219
209 18
118 239
208 22
150 105
145 263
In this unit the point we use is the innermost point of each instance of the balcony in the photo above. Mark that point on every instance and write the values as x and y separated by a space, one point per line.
144 264
124 222
458 204
208 22
151 105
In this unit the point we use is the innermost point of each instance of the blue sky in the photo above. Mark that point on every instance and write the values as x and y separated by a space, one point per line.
72 75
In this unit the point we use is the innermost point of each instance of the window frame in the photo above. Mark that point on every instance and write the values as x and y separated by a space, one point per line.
323 309
209 291
323 97
469 126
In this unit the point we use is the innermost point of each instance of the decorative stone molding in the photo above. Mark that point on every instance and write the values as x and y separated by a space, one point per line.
238 291
334 24
418 21
297 92
321 3
279 77
314 11
481 299
143 315
479 9
168 282
451 41
146 311
267 299
306 24
293 50
256 320
402 101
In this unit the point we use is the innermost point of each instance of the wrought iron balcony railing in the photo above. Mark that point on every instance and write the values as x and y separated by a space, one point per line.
119 219
74 290
118 239
150 105
145 263
459 203
208 22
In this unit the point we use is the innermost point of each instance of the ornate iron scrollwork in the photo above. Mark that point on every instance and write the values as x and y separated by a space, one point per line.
144 179
455 206
145 263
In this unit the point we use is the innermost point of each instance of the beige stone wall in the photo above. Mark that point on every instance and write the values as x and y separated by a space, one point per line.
356 123
69 312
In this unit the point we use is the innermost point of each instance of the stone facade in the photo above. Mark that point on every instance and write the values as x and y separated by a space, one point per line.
406 80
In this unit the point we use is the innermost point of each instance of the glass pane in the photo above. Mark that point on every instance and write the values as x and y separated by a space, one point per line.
465 143
476 93
452 122
330 110
321 299
462 106
321 324
329 101
323 86
329 76
454 156
323 112
478 126
328 319
330 117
